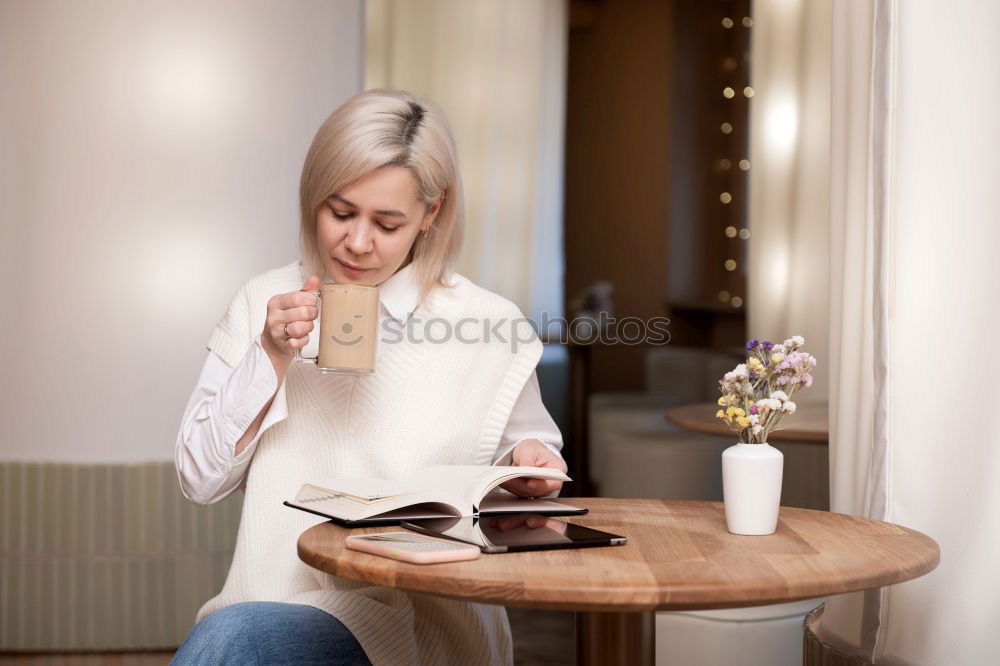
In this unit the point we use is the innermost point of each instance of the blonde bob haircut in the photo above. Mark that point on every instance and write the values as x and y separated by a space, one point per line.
380 128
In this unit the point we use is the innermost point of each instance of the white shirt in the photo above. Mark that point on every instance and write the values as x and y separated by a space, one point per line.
430 402
226 400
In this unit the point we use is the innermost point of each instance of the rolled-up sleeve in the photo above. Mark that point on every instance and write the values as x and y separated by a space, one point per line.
222 407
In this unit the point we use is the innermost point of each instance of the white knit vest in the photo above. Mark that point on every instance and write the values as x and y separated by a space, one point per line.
427 404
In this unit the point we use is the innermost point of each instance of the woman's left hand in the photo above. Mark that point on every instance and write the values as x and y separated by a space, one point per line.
532 453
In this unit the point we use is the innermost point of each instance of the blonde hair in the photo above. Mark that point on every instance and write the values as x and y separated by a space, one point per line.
380 128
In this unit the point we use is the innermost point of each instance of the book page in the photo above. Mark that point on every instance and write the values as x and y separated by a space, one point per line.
326 502
505 474
458 486
365 489
469 483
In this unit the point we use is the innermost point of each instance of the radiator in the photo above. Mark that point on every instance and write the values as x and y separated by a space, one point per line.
105 557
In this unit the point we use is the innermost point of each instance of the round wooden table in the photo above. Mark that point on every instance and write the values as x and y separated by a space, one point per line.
810 422
679 556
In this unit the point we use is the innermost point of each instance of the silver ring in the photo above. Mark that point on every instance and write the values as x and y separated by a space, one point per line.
284 329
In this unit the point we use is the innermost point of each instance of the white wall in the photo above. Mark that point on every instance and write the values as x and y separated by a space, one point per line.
149 164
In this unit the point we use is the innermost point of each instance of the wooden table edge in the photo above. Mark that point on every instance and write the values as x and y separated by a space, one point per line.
650 597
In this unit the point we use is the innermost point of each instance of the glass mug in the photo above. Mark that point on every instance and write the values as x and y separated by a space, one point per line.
348 329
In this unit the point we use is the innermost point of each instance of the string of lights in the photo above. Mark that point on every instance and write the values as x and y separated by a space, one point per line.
733 214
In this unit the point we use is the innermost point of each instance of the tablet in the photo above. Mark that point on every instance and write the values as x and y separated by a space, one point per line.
516 532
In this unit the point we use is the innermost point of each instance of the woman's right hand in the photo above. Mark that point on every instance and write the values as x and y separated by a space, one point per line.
289 320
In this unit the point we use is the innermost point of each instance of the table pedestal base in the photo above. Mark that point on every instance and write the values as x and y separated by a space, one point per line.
615 638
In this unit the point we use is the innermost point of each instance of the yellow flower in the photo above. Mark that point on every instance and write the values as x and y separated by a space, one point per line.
743 421
756 365
722 401
720 414
777 358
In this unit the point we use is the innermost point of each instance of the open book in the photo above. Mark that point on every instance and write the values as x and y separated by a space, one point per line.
443 490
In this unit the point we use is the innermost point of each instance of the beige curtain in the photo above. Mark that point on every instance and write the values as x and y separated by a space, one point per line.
912 262
860 445
498 69
915 441
789 177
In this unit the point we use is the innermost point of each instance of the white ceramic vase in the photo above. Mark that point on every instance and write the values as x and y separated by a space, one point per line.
751 487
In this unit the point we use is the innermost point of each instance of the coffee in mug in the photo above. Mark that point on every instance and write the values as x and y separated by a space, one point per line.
348 328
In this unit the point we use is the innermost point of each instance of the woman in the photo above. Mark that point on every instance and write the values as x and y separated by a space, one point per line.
380 204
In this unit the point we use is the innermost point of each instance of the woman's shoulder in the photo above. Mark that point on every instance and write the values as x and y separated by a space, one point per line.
498 321
467 298
247 311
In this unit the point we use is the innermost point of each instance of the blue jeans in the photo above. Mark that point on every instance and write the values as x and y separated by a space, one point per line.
267 632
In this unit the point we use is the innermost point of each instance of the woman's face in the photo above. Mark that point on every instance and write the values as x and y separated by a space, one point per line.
371 225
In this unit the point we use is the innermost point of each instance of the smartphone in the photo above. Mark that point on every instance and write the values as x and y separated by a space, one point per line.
412 548
515 532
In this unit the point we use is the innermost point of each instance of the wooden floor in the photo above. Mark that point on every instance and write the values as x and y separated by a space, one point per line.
541 638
